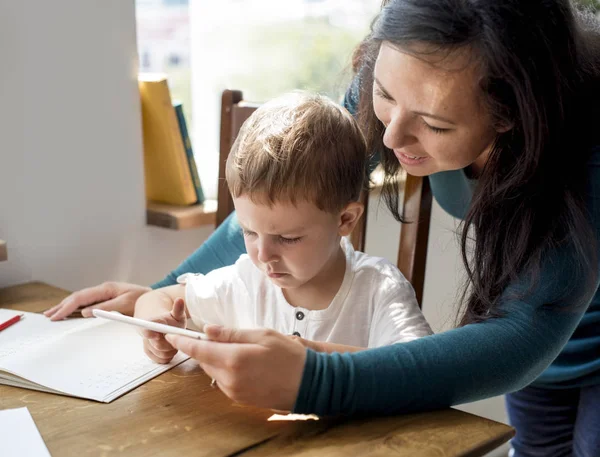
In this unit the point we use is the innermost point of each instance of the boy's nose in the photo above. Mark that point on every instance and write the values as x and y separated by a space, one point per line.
266 252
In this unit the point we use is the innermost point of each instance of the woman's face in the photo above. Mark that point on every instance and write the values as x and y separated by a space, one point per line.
432 109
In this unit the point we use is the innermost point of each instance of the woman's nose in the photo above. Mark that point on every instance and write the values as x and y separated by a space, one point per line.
396 133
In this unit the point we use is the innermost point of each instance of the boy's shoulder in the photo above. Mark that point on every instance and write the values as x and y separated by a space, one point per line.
376 270
242 270
245 269
380 282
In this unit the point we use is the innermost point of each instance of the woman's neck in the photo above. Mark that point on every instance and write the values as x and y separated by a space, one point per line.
474 170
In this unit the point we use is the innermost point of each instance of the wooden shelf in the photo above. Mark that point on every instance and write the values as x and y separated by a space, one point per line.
181 217
3 251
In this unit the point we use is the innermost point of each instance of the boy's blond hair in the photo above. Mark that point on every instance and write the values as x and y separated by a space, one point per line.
297 147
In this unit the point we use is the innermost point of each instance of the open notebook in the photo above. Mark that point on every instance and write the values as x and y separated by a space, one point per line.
88 358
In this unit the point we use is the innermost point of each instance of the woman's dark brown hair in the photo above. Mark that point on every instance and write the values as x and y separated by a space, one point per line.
539 73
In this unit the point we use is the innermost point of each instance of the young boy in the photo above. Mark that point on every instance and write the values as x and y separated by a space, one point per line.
295 173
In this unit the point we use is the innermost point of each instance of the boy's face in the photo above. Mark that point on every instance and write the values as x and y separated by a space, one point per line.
292 244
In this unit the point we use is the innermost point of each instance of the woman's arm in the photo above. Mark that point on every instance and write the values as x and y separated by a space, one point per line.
221 249
466 364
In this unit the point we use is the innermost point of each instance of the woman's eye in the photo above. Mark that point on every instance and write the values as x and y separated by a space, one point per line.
435 129
382 94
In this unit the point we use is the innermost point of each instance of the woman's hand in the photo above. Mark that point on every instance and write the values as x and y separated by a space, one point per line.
156 347
323 346
259 367
110 296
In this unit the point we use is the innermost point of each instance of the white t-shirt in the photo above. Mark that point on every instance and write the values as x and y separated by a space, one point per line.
375 306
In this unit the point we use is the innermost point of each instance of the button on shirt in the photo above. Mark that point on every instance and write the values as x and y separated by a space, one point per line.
375 305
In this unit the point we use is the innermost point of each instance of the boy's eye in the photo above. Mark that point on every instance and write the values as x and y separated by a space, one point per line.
248 233
289 240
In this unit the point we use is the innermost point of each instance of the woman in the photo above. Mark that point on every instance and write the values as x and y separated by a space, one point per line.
495 102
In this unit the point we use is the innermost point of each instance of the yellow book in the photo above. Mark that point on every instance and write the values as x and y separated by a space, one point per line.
167 172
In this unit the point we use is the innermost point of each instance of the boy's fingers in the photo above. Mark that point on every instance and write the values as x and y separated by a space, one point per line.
158 357
150 334
178 311
161 345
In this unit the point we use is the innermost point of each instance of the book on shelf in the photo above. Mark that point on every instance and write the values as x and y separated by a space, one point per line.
90 358
187 144
166 166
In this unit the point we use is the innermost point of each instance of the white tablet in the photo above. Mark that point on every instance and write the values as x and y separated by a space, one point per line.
155 326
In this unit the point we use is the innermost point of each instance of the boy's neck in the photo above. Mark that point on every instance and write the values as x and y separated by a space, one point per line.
320 291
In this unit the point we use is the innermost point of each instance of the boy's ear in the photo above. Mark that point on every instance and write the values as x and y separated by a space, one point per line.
349 217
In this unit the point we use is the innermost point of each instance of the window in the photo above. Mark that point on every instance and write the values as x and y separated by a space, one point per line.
262 47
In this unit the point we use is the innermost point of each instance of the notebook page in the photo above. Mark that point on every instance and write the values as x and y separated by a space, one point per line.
32 331
19 435
98 359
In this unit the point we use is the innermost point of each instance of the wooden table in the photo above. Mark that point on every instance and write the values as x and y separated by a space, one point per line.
179 414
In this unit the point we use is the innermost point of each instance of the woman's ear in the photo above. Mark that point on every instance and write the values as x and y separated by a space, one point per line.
349 217
503 126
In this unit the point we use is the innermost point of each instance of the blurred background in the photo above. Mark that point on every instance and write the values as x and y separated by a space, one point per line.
262 47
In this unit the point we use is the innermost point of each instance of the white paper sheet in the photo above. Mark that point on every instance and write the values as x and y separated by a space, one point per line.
19 435
87 358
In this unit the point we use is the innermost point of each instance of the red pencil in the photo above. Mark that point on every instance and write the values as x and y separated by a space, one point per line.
11 321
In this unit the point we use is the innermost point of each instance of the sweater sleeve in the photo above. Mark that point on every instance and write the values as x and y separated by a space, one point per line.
221 249
476 361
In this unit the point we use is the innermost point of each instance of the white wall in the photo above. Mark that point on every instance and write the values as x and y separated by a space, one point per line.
444 273
71 181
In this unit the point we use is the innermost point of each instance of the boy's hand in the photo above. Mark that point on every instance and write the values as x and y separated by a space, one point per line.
155 345
314 345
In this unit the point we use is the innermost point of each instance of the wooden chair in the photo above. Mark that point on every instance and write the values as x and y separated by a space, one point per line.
412 251
234 111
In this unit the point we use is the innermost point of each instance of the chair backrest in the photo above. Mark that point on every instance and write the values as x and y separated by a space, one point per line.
412 251
234 111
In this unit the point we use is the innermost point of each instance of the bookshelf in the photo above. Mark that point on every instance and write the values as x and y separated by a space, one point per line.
3 251
181 217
